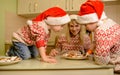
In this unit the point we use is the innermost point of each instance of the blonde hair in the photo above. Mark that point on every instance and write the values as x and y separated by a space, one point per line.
81 33
68 35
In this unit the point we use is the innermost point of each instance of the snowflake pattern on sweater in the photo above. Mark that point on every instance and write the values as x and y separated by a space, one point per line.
74 44
32 35
107 38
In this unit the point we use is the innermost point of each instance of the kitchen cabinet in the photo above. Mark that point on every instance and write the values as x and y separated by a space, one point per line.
37 6
26 7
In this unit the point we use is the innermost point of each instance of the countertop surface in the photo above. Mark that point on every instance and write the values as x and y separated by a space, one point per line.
36 64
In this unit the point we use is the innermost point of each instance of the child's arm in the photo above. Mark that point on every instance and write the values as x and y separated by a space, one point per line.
57 49
53 52
45 58
88 45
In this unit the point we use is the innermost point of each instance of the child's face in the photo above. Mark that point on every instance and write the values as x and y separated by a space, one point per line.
57 28
74 28
91 26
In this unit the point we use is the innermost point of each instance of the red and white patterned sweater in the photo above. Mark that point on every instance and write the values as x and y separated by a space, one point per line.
36 34
107 38
74 44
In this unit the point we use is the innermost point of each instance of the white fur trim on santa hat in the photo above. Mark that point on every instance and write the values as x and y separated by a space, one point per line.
101 21
74 16
57 20
103 16
89 18
29 22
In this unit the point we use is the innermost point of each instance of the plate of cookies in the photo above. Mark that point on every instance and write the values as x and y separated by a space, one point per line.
74 55
6 60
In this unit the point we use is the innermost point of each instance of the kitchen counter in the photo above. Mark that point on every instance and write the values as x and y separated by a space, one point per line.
62 67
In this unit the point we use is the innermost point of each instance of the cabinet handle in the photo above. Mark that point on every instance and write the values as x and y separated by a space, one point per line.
35 6
72 4
29 7
66 4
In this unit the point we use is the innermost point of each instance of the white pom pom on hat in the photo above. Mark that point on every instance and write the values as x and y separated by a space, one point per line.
29 22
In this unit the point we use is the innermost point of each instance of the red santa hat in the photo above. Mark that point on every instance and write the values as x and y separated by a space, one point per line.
52 16
91 11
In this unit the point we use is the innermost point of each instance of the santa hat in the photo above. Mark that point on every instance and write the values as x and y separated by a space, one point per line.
91 11
52 16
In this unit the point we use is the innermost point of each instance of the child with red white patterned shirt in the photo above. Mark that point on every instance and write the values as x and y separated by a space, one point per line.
31 40
106 33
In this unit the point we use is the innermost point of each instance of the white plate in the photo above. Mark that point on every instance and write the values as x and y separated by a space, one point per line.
74 57
4 60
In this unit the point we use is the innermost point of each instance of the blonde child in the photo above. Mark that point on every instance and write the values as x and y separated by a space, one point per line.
75 39
31 40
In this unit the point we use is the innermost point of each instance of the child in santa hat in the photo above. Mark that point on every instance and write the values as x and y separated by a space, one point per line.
106 32
31 40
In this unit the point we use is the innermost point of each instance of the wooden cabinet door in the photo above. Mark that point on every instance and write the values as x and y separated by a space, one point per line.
32 6
24 6
60 3
75 4
43 5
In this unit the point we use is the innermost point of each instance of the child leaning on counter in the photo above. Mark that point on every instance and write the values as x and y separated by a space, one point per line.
31 40
75 39
106 32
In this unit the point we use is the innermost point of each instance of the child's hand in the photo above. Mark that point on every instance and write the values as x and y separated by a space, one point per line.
49 59
53 52
89 52
46 58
